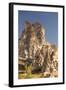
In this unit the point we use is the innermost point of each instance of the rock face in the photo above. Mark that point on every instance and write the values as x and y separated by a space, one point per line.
36 52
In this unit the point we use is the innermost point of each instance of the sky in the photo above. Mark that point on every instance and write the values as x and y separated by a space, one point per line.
49 20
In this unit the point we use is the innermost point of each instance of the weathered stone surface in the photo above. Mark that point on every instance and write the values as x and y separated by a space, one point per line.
36 51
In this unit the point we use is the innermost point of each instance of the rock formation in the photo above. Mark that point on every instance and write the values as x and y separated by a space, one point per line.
36 52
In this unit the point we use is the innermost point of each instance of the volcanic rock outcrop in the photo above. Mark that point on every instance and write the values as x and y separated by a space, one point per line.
36 52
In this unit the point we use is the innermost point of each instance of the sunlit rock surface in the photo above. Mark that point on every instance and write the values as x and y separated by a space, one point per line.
36 54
